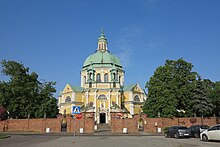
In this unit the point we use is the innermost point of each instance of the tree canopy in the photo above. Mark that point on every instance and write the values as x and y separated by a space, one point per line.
201 104
24 95
214 95
170 89
175 87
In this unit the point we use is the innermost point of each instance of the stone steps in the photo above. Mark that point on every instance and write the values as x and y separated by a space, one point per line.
103 129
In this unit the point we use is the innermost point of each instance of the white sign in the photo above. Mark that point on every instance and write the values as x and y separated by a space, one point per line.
76 110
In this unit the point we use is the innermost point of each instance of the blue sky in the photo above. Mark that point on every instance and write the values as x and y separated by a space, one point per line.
54 37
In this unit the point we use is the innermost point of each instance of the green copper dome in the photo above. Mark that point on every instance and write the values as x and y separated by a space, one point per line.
99 58
102 57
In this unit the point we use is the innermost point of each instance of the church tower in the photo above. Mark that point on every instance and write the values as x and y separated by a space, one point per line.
102 87
102 78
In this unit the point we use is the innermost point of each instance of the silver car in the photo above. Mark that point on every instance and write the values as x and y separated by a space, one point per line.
212 133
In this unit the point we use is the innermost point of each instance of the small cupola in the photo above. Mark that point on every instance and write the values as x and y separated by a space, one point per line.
102 42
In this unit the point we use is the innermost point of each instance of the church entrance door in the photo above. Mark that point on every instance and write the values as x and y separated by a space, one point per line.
102 118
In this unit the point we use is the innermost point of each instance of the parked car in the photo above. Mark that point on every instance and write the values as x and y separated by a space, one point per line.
195 130
177 132
212 133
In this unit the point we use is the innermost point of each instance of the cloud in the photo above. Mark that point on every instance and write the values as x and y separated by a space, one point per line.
125 43
126 51
152 45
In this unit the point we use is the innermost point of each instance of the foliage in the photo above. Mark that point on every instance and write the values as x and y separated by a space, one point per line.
3 136
165 129
170 88
201 103
3 113
214 96
24 95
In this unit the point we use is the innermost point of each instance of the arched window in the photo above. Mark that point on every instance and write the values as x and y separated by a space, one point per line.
68 99
113 76
136 98
102 97
98 78
106 77
120 80
90 76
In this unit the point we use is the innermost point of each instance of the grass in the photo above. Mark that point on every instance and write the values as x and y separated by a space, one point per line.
2 136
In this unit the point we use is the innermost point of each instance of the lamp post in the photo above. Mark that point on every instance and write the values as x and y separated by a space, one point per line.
107 115
179 111
158 114
45 115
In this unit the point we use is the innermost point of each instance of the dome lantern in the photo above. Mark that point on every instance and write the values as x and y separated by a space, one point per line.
102 42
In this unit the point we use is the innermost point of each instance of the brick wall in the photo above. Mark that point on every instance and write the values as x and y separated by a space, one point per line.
87 123
40 124
2 126
117 124
152 124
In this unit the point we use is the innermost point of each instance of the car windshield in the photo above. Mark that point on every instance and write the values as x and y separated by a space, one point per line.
182 127
204 127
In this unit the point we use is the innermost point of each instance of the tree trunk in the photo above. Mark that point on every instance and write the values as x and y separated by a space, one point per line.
202 119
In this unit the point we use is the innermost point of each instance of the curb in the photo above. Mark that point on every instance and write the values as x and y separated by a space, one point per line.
83 134
4 136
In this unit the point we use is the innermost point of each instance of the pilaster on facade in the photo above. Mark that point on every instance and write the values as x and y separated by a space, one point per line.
132 109
131 96
87 97
109 99
117 98
63 100
95 99
73 96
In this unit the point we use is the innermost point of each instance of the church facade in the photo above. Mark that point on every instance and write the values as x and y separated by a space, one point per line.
102 89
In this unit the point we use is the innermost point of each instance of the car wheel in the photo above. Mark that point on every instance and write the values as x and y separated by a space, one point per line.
204 138
197 135
176 136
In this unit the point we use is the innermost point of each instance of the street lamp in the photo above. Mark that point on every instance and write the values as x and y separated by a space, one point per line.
179 111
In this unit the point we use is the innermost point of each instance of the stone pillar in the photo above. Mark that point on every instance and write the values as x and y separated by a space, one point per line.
95 101
117 98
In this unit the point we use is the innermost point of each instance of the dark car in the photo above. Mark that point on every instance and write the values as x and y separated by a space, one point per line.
195 130
177 132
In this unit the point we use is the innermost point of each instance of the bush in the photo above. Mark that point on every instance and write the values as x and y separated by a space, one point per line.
165 129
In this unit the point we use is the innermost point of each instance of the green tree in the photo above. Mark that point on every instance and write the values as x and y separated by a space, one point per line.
215 98
170 88
48 104
200 102
23 95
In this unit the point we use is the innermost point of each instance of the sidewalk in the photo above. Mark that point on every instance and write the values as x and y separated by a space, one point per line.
84 134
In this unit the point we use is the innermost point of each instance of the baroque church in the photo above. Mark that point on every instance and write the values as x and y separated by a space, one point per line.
102 89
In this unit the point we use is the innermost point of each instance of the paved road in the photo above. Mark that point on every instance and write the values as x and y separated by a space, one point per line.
102 141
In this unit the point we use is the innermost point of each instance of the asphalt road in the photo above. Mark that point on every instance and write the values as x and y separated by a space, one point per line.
101 141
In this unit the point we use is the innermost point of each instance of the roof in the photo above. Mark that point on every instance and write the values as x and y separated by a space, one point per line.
100 57
129 87
77 89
